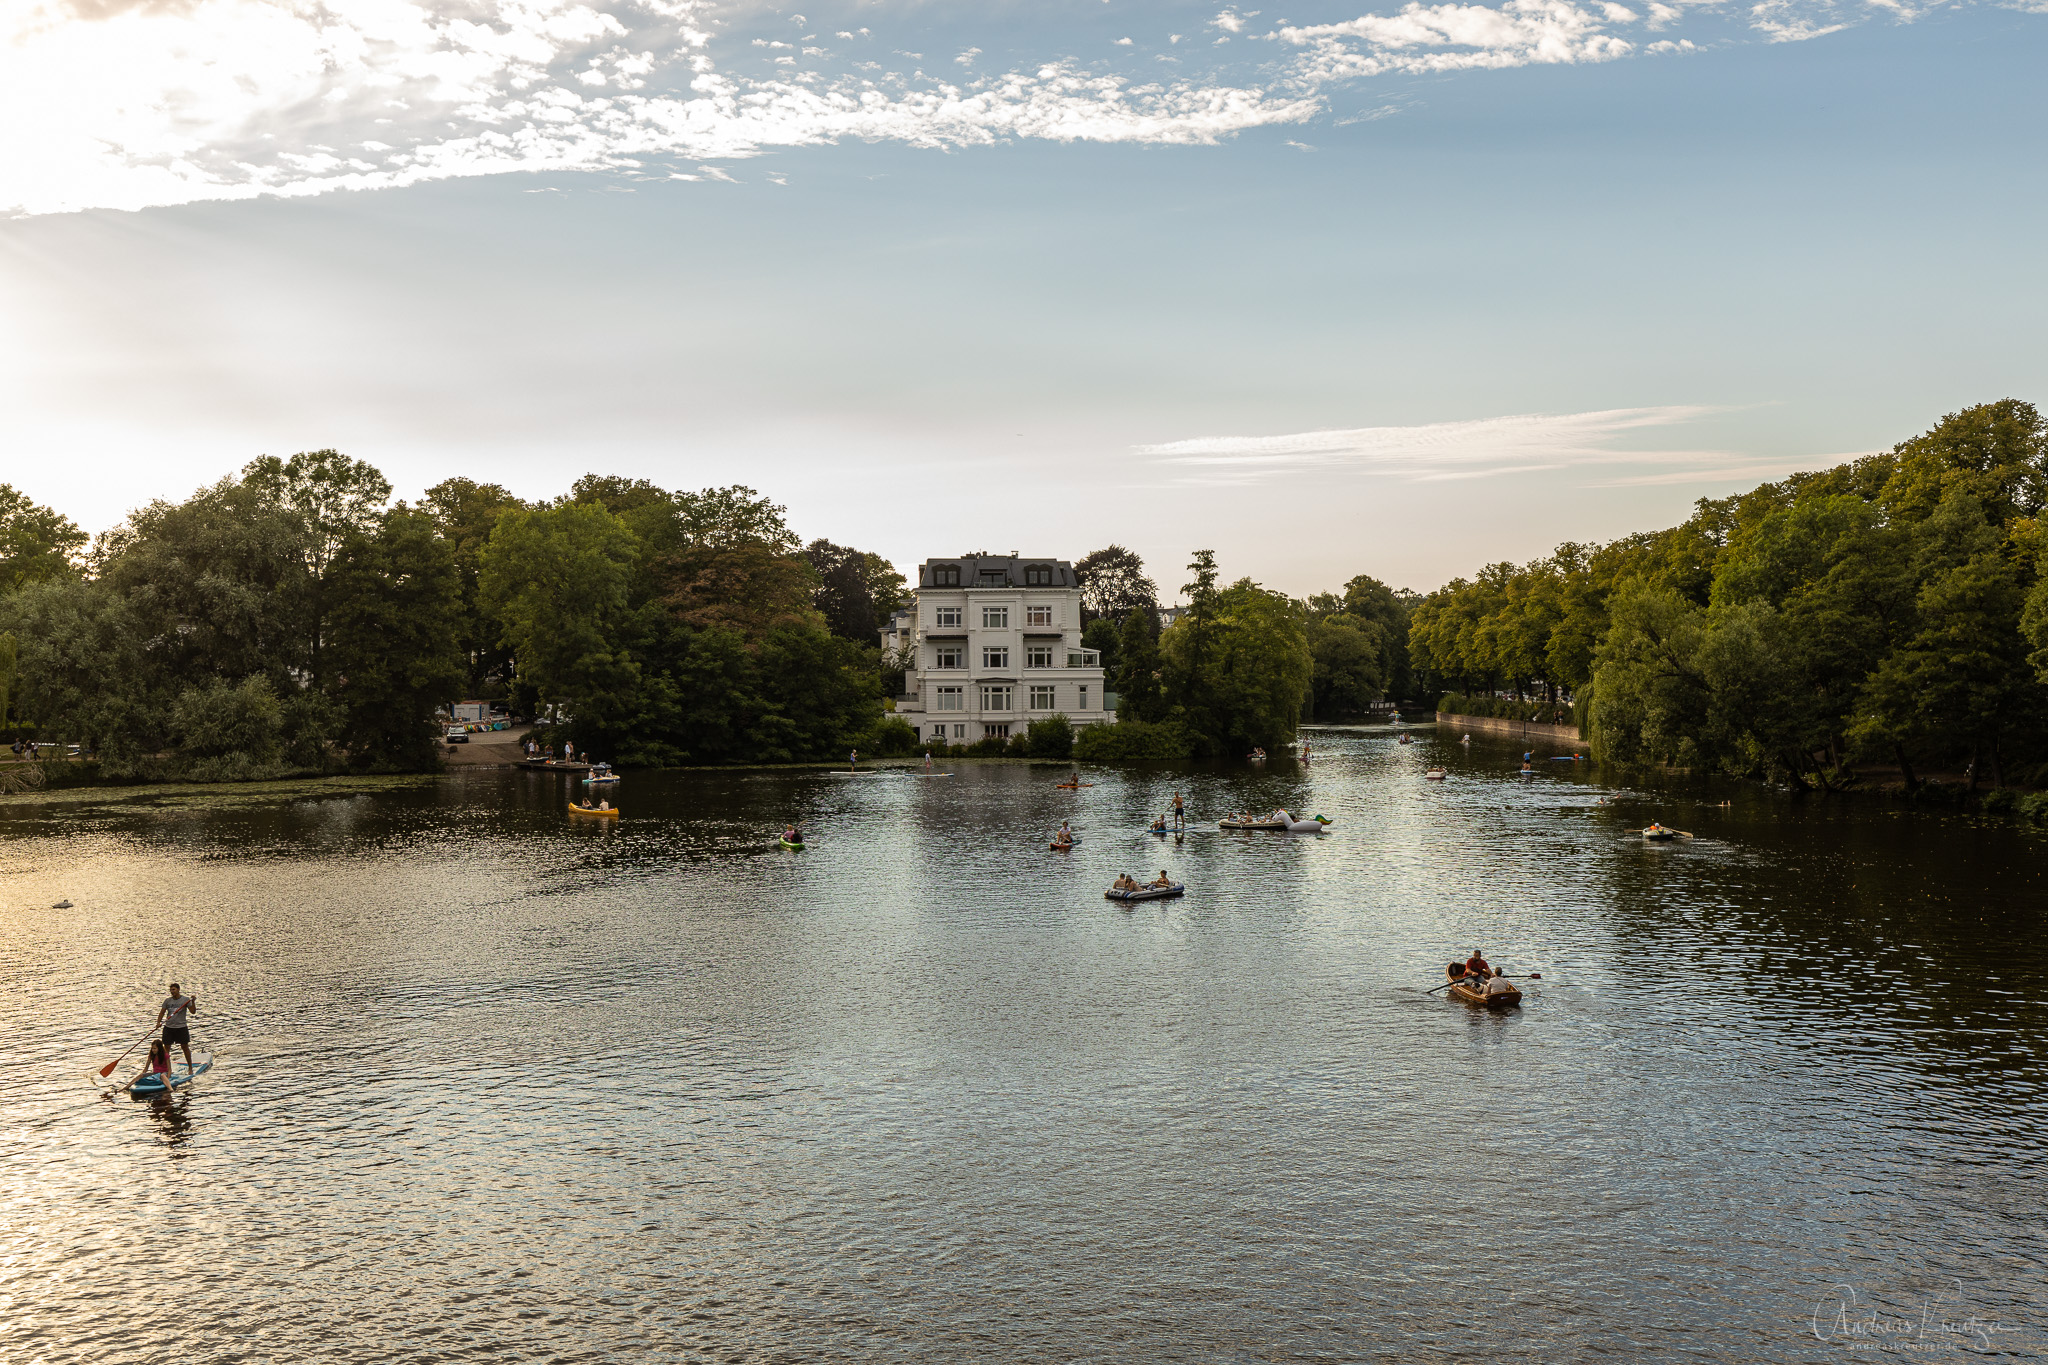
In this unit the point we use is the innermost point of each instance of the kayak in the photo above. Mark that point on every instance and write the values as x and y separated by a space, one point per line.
787 844
155 1083
611 814
1146 893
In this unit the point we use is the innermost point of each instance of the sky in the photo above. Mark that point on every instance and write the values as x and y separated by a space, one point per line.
1330 290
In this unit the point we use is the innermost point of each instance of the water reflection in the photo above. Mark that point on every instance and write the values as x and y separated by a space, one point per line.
492 1080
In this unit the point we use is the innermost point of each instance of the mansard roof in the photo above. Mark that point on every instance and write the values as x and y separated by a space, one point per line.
975 568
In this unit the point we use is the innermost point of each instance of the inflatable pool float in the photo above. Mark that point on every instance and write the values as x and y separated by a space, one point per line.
592 813
1145 893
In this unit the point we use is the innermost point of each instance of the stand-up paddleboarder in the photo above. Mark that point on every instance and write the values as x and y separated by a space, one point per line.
174 1016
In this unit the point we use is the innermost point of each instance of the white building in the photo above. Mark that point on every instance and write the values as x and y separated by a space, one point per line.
998 645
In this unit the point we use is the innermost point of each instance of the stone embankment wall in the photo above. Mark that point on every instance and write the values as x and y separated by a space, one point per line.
1521 729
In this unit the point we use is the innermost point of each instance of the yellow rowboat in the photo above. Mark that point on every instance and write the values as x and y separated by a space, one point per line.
1475 995
588 813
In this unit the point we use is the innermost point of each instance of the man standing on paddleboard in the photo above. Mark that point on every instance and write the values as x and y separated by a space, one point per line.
175 1015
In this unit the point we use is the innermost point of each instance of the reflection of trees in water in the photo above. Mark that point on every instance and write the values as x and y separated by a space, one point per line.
1884 940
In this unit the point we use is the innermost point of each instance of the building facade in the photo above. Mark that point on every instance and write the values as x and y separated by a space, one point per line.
995 644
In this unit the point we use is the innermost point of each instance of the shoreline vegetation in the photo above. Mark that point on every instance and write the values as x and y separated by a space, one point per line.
1886 616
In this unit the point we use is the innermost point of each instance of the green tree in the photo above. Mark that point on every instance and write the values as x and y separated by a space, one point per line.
556 580
1350 665
395 618
1253 670
331 497
1113 583
1139 692
36 543
465 513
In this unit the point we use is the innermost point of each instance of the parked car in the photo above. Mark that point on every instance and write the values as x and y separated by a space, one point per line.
458 734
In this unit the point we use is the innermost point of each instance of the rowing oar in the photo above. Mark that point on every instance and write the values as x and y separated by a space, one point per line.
1533 976
108 1069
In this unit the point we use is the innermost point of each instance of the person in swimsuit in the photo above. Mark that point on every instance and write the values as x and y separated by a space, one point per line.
1164 880
159 1063
175 1017
1180 812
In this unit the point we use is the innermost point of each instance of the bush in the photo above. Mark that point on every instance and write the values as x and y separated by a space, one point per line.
1539 712
1052 737
1131 741
994 746
890 737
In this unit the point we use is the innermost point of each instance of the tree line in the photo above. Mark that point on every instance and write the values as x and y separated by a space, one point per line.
1889 611
291 618
1242 666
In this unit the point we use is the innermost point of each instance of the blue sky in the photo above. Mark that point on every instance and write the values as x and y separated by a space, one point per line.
1328 289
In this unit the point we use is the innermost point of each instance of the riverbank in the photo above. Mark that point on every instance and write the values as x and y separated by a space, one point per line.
1521 729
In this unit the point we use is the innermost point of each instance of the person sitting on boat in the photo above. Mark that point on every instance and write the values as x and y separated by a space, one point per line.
1476 966
1125 882
604 805
1164 881
159 1063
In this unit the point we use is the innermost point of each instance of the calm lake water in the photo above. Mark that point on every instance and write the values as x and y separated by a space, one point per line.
495 1086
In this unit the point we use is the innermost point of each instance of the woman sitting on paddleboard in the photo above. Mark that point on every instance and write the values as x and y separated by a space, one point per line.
159 1063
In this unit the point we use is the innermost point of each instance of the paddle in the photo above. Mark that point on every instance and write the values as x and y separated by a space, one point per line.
108 1069
1533 976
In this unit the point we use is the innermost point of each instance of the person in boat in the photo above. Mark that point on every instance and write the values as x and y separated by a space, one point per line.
1163 881
1476 967
159 1063
604 805
1125 882
175 1017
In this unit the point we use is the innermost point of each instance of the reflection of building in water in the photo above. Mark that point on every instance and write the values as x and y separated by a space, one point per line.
995 643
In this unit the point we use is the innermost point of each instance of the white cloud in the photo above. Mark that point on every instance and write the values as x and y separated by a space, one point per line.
134 103
1437 450
1449 37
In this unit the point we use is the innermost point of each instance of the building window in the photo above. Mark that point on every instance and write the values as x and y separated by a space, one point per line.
995 578
995 698
946 576
946 616
1038 616
1038 576
995 732
959 732
1041 699
995 618
1084 696
995 658
949 656
939 732
951 699
1084 658
1038 656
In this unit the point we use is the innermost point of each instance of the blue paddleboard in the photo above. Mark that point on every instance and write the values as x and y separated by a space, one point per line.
154 1083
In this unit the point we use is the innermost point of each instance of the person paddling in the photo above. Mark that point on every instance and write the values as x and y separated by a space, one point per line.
1476 966
174 1016
1180 812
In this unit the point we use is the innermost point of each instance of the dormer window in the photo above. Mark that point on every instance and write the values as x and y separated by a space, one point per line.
1038 576
994 578
946 576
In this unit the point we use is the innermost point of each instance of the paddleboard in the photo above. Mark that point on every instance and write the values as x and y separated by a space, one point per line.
156 1084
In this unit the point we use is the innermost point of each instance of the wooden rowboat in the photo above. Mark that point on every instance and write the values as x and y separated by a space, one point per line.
1473 995
611 814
